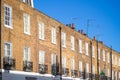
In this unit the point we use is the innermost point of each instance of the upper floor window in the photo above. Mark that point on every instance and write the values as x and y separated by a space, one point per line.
26 23
119 75
63 38
108 57
26 53
103 55
72 43
93 69
53 59
8 16
87 68
64 62
99 53
119 62
116 60
80 46
41 57
80 66
112 58
108 72
72 64
113 75
86 47
99 70
93 51
53 33
41 31
29 2
8 49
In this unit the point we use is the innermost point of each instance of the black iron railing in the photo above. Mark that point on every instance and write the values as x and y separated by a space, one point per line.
27 66
9 63
43 68
55 69
74 73
65 71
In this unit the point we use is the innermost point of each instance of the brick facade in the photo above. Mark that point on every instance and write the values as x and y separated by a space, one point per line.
19 39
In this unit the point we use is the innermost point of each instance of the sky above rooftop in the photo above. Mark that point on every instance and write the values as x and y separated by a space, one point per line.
103 16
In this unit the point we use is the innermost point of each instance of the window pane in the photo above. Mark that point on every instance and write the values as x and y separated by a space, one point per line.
8 16
8 49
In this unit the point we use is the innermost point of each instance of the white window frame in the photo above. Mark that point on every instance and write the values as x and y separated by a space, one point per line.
93 69
119 62
31 3
41 57
116 60
8 16
87 68
64 62
108 57
112 58
26 58
113 75
80 46
99 70
41 31
93 51
63 38
104 58
80 66
6 49
53 59
72 64
99 53
86 47
53 33
26 18
108 72
72 43
119 75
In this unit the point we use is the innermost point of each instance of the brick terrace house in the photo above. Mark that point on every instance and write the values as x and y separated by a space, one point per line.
35 46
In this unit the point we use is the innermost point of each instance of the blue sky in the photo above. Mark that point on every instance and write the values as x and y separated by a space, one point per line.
104 16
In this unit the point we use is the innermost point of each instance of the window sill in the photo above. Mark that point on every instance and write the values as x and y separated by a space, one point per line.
26 33
54 43
42 39
10 27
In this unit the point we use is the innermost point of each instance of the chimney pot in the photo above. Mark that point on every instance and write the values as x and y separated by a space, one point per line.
67 24
82 32
94 37
101 42
79 31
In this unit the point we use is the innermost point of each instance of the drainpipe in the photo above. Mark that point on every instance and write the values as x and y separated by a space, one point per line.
91 58
60 55
0 38
97 62
0 31
111 63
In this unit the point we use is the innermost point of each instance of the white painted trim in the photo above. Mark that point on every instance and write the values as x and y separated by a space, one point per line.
32 3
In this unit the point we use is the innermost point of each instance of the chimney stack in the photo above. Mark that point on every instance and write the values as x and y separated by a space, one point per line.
72 26
94 37
82 32
101 42
79 31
